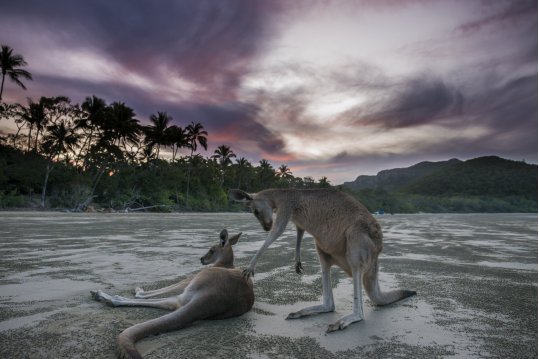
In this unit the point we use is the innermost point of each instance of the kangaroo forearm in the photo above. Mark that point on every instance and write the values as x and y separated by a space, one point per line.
299 238
174 288
276 231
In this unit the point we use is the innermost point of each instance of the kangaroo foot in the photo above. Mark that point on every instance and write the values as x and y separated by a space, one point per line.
138 292
101 296
317 309
344 322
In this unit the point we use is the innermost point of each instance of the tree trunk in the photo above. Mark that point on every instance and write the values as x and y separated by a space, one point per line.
2 86
88 200
37 138
44 190
188 179
30 137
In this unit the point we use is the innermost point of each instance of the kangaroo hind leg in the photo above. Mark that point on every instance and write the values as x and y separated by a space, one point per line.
357 314
171 303
360 254
328 304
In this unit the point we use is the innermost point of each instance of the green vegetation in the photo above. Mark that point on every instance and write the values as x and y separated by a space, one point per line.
98 156
485 184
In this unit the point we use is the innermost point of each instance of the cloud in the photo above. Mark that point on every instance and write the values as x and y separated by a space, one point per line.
417 101
501 13
211 44
344 83
234 124
509 110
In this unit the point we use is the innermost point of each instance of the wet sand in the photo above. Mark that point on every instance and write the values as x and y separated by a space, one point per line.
475 274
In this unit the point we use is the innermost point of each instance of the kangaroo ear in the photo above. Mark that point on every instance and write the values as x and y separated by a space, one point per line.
223 236
234 239
239 196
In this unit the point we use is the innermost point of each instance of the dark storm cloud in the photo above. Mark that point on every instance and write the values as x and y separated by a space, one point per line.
208 42
514 11
418 101
510 111
231 122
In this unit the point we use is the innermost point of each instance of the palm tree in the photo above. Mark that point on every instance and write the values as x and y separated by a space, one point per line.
224 154
95 112
121 126
10 63
59 140
156 133
196 135
243 166
283 171
324 182
176 138
264 165
34 116
266 173
51 109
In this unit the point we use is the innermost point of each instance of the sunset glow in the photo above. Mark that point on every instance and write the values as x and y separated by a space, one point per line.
330 88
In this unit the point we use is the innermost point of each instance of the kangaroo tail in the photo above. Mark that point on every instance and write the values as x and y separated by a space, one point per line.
178 319
370 283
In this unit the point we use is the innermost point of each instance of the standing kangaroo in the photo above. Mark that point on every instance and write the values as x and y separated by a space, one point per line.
217 292
345 234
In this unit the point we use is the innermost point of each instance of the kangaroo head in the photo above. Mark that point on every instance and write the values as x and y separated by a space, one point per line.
222 254
260 207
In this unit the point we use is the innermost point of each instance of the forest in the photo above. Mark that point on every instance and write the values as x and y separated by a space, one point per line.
98 156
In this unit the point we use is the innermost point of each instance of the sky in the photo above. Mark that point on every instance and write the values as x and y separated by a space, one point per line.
329 88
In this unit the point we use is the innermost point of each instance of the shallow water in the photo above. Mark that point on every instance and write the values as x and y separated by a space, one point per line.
476 277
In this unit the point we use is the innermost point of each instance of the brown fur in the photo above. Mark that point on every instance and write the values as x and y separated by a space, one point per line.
217 292
345 234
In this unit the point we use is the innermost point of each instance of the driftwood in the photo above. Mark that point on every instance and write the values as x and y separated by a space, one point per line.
128 209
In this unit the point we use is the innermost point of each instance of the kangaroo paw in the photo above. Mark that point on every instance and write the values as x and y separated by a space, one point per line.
248 272
299 268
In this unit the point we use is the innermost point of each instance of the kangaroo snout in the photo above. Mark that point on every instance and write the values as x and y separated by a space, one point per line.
267 226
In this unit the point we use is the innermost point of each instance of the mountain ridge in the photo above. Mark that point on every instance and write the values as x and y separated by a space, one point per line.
403 175
482 184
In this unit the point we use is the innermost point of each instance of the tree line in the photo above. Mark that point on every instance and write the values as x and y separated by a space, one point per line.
94 153
100 153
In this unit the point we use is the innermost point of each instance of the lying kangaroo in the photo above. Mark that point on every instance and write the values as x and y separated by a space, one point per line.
345 234
217 292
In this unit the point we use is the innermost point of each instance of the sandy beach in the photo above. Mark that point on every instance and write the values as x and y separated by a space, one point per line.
475 274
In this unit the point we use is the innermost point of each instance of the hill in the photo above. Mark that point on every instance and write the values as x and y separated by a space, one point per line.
484 176
398 177
484 184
